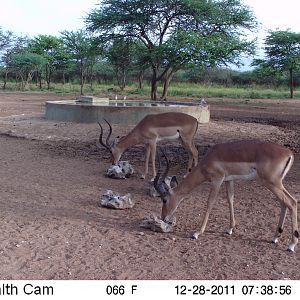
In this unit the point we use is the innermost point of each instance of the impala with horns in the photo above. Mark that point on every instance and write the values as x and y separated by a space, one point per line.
248 159
150 130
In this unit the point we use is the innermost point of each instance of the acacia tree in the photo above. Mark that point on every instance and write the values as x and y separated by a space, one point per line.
81 48
282 50
206 52
63 62
175 33
121 55
17 45
49 47
25 64
6 41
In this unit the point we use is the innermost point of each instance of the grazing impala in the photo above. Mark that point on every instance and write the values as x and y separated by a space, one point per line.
231 161
150 130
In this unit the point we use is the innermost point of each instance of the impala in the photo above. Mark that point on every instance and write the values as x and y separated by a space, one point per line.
150 130
232 161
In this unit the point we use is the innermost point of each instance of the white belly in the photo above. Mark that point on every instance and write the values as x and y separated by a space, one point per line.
168 137
250 176
239 171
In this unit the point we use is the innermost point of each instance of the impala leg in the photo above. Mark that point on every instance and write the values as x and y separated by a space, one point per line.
291 203
147 156
230 197
153 155
210 202
295 229
279 229
193 154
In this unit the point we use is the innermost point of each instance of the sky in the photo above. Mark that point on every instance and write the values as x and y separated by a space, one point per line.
275 14
49 17
34 17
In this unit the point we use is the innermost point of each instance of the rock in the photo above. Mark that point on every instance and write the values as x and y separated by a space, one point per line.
114 200
154 223
122 170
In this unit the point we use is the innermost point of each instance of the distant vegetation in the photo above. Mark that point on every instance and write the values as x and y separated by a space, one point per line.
155 47
177 89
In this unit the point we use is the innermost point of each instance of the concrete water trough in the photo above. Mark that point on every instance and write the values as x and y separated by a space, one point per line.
91 110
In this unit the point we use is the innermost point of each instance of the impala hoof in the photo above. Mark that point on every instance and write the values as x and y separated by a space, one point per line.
229 231
195 236
143 176
291 248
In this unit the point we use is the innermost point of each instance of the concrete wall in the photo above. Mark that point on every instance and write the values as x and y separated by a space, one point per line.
84 113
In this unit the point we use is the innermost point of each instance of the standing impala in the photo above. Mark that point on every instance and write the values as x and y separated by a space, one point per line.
150 130
231 161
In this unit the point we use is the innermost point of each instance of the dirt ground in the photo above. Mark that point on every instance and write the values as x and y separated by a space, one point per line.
53 176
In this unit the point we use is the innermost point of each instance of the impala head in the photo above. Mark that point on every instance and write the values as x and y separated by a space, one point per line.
111 146
166 193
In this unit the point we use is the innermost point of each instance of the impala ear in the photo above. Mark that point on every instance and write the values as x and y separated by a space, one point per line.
115 141
173 182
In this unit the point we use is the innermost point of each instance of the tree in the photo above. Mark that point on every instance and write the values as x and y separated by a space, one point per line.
120 55
140 63
49 47
6 38
82 48
175 33
282 49
63 61
25 64
18 44
103 71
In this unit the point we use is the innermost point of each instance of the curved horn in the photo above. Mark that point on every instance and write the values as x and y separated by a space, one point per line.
101 138
109 134
159 180
167 165
157 177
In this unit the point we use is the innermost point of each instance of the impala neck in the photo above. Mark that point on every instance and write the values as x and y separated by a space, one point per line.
191 181
194 179
127 141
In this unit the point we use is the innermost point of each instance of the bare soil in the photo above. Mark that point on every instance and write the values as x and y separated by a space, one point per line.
52 178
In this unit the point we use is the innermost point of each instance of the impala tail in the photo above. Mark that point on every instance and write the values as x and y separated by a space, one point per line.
288 165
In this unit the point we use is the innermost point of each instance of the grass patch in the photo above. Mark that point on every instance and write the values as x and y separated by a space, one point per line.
176 90
215 91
